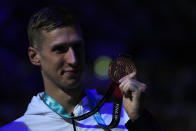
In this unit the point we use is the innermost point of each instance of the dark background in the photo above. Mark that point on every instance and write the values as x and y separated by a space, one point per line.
160 36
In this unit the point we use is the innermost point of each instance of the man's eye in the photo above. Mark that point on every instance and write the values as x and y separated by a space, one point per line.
61 49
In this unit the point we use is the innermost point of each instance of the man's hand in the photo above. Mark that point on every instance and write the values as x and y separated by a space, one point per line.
132 90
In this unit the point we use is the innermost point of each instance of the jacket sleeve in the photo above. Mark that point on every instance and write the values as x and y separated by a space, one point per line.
144 123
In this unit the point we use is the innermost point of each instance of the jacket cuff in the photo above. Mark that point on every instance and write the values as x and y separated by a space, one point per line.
144 123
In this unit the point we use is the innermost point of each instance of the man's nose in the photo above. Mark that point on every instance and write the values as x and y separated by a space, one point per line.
71 56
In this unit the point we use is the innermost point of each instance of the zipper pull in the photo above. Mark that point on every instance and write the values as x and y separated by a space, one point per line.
73 122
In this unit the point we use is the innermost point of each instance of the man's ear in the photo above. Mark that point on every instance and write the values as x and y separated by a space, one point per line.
34 56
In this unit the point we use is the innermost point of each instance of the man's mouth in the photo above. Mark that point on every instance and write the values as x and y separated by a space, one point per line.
70 72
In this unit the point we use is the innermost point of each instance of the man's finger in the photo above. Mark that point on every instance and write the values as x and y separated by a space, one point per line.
130 86
131 75
127 85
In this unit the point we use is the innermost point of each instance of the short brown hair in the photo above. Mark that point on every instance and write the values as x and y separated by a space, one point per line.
48 19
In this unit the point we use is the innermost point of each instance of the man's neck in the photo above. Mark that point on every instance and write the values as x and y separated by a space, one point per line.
67 98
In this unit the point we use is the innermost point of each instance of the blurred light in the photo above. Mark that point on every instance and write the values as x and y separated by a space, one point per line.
101 67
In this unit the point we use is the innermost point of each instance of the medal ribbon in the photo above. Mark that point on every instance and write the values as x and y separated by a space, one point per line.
59 109
56 107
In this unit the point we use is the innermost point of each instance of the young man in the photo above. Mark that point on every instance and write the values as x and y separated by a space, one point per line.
57 47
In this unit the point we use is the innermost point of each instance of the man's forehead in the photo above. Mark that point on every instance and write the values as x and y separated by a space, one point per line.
69 30
62 35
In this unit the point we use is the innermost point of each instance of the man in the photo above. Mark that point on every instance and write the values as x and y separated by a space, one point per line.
57 47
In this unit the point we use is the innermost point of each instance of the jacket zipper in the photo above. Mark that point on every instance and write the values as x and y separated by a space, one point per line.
73 122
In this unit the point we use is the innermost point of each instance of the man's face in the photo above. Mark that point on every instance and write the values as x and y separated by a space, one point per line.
62 57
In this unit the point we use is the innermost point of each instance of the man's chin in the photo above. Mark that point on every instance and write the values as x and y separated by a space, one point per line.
70 86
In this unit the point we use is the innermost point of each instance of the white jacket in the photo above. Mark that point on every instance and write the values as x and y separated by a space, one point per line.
40 117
